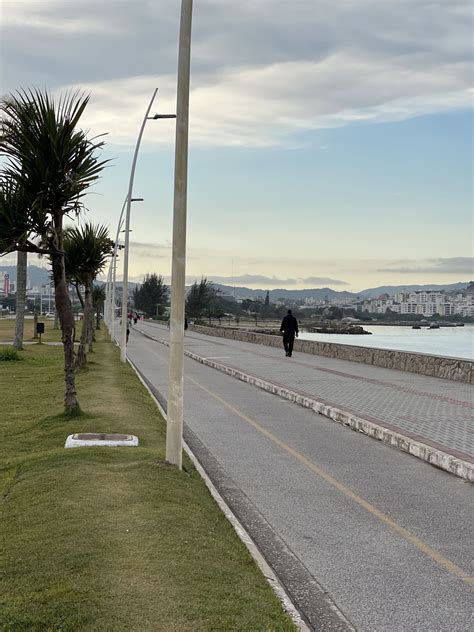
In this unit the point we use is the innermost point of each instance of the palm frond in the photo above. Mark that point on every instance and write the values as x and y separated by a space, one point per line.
45 150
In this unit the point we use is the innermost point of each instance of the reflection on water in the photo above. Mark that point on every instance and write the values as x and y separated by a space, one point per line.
457 342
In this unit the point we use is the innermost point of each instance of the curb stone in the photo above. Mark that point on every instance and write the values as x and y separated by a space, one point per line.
438 458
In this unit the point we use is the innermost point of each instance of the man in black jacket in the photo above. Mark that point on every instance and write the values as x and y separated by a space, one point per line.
289 327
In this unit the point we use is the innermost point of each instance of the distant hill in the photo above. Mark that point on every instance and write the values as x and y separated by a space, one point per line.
326 292
318 293
41 276
36 275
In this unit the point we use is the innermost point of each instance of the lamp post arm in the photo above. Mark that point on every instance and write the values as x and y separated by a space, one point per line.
123 345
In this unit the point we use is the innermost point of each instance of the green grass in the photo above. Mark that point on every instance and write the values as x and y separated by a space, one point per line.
111 539
7 330
8 354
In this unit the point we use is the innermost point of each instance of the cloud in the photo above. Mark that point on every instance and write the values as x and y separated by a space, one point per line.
251 279
258 279
323 280
261 75
142 245
451 265
47 16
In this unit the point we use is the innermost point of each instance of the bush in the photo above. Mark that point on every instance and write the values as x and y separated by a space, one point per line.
8 354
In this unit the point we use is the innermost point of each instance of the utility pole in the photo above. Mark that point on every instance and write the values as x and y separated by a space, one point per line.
174 432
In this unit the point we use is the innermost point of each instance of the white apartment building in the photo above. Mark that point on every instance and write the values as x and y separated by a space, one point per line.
425 303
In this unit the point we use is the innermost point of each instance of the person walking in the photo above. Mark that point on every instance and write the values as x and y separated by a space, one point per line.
289 328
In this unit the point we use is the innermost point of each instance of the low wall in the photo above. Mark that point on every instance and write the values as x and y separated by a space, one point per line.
448 368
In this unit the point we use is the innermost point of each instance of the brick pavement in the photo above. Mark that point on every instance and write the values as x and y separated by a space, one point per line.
431 410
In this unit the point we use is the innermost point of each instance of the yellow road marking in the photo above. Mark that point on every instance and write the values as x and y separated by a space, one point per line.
435 555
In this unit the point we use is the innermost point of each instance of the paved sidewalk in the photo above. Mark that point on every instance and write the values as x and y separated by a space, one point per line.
436 412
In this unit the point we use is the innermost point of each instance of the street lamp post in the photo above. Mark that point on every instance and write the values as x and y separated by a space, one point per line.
174 431
114 285
113 271
123 337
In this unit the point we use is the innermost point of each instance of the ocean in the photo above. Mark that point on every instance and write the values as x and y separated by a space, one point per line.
454 342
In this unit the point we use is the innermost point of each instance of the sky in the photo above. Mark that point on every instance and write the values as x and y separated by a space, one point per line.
331 143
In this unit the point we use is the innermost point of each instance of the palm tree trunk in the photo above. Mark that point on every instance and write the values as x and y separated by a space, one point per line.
21 267
90 320
79 295
81 300
81 359
66 319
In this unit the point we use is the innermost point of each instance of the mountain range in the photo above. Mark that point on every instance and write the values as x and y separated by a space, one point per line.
41 276
326 292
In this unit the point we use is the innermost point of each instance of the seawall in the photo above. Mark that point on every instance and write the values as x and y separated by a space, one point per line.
456 369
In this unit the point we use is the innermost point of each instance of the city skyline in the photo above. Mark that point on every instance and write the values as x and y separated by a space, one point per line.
329 145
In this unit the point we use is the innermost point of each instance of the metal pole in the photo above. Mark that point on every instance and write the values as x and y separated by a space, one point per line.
123 343
114 285
108 292
107 296
174 432
114 270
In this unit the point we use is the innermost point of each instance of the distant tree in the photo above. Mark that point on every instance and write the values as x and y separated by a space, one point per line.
199 298
152 296
267 299
247 305
335 313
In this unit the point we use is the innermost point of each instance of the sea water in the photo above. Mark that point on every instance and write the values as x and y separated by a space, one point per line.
454 342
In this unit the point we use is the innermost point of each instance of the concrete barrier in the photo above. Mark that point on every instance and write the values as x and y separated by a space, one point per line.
455 369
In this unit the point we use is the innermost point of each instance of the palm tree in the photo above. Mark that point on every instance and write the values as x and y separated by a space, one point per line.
54 163
87 249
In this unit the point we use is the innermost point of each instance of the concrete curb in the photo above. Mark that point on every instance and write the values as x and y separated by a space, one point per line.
240 530
438 458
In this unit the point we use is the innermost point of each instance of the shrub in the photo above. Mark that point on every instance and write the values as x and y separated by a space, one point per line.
8 354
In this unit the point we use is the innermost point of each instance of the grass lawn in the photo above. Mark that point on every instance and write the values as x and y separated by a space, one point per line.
111 538
7 329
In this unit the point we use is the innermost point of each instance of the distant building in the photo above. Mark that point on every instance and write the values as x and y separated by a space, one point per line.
5 288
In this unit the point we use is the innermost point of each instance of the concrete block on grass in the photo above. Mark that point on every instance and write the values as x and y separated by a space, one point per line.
88 439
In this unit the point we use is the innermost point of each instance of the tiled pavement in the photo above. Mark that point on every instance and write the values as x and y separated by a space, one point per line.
431 410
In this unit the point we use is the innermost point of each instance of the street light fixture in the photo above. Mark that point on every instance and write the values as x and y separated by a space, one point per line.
123 337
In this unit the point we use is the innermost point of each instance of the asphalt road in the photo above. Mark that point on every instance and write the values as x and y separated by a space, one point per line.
365 537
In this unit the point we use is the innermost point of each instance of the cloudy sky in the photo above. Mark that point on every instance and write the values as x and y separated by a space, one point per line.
330 141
